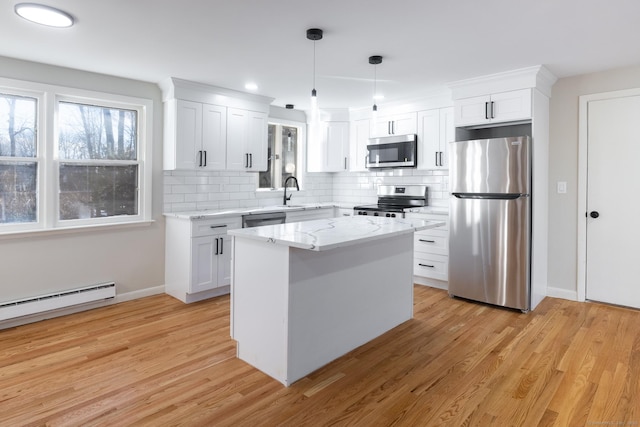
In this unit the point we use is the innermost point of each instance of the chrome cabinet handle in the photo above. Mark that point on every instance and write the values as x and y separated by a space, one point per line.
493 116
486 110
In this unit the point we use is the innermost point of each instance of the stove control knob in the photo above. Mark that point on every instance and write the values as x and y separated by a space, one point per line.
375 214
393 215
388 215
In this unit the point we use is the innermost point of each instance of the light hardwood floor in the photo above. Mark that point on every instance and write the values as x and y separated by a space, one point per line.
159 362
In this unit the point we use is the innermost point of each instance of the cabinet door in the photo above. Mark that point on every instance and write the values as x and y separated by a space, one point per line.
359 139
337 147
447 135
237 127
188 134
256 144
224 261
511 106
204 269
214 137
471 111
405 124
399 124
428 139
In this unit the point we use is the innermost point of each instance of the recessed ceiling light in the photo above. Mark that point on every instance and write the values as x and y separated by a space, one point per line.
251 86
378 96
45 15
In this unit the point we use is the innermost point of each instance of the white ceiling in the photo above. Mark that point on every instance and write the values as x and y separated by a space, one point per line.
425 43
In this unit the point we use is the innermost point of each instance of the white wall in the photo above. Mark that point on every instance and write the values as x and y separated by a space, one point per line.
563 166
132 257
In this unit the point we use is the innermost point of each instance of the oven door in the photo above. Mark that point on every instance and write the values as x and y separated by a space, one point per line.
392 152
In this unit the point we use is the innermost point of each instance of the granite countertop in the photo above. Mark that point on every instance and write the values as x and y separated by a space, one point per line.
327 234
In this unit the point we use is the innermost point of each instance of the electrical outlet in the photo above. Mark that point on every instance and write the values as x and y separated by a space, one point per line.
562 187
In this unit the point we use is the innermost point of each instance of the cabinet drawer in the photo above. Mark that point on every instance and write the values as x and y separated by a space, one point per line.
201 228
433 266
433 243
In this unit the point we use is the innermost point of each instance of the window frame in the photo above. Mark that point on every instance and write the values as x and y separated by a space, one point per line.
301 154
49 96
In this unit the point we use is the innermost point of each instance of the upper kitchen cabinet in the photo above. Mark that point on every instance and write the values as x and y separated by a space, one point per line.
329 151
212 128
435 131
397 124
358 140
328 142
200 129
502 107
246 140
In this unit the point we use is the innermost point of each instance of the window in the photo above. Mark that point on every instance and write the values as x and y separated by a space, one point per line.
72 158
18 162
283 151
98 168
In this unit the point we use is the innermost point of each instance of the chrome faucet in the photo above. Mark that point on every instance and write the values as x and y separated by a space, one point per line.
286 181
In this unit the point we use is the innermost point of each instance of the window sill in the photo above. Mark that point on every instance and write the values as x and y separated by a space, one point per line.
76 229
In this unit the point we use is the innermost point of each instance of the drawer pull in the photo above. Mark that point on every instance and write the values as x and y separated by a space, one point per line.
217 226
426 265
217 248
427 241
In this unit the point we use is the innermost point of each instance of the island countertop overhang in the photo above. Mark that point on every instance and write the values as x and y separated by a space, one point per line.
327 234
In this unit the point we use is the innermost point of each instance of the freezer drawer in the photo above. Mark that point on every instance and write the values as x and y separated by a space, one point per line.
489 251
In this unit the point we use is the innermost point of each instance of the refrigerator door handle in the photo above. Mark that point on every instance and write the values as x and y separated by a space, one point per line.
489 196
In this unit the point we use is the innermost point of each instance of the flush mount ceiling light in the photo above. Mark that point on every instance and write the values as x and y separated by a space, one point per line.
314 34
44 15
375 60
251 86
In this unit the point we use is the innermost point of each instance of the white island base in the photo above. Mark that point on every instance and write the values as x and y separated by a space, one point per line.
295 310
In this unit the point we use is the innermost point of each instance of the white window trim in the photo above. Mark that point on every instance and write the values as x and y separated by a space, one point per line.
48 186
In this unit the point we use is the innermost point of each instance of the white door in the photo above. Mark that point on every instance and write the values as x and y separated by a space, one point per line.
613 180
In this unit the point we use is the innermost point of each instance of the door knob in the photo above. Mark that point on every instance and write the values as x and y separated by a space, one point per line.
594 214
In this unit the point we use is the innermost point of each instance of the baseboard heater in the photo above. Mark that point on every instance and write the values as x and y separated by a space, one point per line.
44 303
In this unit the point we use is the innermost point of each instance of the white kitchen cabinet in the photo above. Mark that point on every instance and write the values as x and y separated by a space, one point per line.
246 140
398 124
501 107
195 135
198 257
332 153
435 130
359 138
431 252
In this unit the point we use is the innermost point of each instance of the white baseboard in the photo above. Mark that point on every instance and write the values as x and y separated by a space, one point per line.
562 293
81 307
147 292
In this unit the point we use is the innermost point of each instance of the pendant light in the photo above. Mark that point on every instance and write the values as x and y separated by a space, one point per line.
375 60
314 34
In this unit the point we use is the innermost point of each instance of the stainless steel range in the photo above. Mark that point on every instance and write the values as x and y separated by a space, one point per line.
394 199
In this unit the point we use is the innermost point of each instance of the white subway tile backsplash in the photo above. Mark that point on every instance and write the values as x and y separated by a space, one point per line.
200 190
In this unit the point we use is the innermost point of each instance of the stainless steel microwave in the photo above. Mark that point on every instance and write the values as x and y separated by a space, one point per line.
397 151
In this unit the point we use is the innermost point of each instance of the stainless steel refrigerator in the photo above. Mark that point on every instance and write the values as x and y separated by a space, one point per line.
490 214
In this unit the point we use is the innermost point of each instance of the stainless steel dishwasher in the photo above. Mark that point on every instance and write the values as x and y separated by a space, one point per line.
267 218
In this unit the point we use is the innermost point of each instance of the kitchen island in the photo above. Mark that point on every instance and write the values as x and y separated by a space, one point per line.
306 293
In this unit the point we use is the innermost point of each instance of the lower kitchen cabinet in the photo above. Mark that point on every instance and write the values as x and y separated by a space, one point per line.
198 257
431 252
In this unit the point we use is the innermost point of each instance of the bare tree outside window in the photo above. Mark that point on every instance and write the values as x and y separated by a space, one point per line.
18 165
98 152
